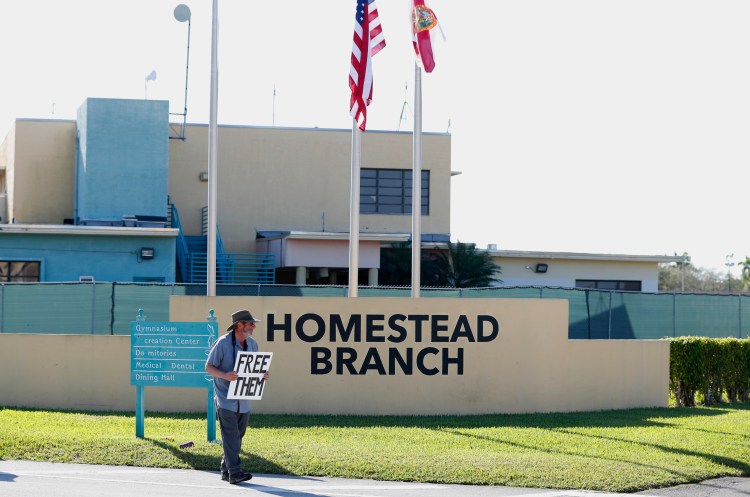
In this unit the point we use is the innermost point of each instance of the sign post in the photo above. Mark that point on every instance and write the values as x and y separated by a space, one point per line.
171 354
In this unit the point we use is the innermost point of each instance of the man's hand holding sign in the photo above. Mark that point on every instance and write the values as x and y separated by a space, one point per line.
250 375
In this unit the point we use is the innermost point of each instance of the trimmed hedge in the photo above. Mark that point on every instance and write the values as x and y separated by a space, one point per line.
709 367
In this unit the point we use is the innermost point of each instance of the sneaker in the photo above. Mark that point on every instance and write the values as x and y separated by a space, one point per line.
240 477
225 476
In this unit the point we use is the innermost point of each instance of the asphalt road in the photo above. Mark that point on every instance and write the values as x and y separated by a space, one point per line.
26 478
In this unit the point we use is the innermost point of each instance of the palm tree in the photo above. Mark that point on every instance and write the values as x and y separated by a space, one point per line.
395 265
746 273
470 267
461 266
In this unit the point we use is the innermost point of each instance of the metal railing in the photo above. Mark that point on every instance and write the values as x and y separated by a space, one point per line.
181 247
235 268
204 231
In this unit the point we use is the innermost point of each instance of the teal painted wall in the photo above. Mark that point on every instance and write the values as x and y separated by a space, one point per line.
122 159
106 258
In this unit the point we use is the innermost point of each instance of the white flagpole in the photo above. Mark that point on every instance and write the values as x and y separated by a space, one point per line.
354 211
416 187
213 132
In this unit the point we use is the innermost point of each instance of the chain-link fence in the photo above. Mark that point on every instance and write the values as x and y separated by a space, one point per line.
108 308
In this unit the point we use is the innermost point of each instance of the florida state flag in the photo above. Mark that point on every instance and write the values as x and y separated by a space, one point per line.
423 19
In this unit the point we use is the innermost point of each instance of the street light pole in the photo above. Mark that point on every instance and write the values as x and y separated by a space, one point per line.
729 265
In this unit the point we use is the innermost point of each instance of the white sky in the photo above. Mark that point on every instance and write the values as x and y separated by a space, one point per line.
580 125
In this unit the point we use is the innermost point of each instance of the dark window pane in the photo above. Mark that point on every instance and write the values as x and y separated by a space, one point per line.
390 209
388 191
389 174
391 183
391 192
632 286
606 285
19 271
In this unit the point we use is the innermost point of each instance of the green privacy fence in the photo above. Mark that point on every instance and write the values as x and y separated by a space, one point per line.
108 308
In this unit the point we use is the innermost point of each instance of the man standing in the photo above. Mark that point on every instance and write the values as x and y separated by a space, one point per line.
233 414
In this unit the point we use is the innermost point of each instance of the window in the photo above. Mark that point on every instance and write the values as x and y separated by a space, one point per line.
628 286
15 271
388 191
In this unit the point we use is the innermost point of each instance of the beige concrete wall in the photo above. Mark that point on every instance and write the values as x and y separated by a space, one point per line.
297 179
41 176
90 372
269 178
530 367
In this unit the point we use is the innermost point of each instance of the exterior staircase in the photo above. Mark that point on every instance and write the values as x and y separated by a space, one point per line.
231 268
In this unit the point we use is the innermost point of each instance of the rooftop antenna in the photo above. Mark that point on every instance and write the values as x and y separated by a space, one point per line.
182 14
404 107
448 129
149 77
273 115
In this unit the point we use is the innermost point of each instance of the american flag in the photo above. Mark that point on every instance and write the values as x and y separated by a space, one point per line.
368 40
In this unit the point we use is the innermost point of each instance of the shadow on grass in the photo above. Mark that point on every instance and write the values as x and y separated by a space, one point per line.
605 419
739 465
212 462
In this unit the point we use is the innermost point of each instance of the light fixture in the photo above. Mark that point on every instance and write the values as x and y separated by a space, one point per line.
203 176
541 268
147 253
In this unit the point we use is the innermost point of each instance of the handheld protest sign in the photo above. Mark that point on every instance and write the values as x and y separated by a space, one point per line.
250 367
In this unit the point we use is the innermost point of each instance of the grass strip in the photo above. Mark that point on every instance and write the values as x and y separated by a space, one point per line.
614 451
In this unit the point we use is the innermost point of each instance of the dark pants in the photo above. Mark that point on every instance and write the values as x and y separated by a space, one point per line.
233 426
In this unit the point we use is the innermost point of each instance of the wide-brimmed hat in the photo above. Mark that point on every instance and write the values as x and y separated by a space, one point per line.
243 315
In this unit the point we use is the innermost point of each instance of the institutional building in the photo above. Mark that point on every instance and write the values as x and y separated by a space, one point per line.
118 195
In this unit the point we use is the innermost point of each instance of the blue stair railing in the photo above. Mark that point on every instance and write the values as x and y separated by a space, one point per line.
230 268
183 254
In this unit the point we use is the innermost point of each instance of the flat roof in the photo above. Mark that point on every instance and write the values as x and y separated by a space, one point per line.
527 254
332 235
68 229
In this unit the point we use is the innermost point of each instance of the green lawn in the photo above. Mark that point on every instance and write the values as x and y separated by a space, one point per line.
616 451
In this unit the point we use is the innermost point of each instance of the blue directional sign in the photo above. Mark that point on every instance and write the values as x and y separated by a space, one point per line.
170 354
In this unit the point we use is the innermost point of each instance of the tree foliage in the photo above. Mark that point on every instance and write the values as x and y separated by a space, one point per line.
679 277
461 266
467 267
745 275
